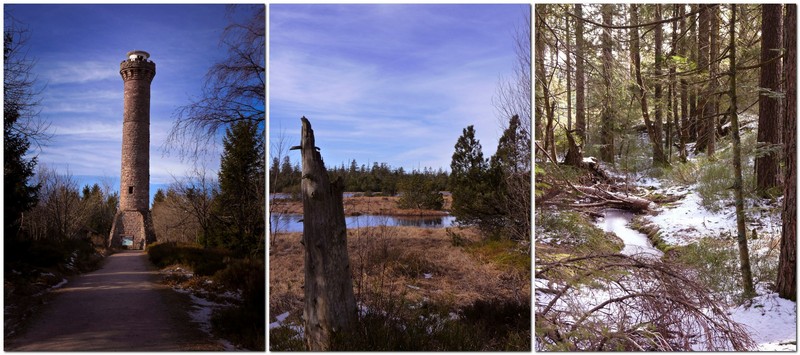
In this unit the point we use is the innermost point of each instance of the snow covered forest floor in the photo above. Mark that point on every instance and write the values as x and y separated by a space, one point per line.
771 321
589 297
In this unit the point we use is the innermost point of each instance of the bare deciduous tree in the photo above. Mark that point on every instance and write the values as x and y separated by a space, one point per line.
60 213
234 90
19 81
513 106
513 96
196 193
278 150
173 219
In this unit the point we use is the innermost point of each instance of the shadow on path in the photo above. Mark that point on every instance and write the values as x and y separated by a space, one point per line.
120 307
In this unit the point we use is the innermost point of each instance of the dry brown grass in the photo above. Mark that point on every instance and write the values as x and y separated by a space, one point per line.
375 205
391 263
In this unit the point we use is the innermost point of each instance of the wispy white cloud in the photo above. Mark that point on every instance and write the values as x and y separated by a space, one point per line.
71 72
78 49
388 83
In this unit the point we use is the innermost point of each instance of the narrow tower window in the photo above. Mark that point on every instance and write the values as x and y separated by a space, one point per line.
130 190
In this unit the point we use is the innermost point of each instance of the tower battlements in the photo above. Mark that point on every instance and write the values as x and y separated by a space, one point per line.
137 67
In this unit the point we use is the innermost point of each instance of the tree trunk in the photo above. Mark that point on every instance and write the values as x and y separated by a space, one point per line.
769 104
330 305
549 136
569 74
787 264
703 104
658 150
580 78
607 117
684 126
673 123
741 232
694 57
538 134
710 111
658 128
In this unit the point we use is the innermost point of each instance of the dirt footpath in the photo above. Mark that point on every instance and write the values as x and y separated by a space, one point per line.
120 307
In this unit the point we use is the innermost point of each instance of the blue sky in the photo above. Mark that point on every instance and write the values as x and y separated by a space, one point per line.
388 83
78 49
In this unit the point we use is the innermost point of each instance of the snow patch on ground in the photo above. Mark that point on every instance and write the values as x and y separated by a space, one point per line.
687 220
280 318
56 286
201 313
299 330
771 320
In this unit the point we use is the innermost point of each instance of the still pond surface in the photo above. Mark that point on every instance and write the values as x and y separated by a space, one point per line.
293 222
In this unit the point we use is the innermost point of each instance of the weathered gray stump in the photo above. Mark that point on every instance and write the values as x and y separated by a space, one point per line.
330 305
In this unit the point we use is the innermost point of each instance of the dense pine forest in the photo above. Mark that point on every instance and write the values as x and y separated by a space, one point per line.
378 178
665 177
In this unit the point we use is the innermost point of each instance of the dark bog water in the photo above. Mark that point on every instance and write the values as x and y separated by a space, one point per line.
291 222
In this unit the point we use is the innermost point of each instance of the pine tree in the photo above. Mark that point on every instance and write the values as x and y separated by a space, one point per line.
511 166
420 192
240 203
18 100
473 185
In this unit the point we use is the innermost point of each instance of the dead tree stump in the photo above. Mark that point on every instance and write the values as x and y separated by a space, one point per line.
330 305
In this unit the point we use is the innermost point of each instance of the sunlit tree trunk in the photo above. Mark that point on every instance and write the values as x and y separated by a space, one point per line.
330 305
711 108
741 232
580 78
703 104
659 159
684 126
539 76
607 116
569 72
658 121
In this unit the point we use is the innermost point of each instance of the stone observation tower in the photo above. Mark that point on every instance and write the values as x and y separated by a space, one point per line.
133 224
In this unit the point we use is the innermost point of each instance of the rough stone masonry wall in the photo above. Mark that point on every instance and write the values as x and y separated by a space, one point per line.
133 217
136 224
135 172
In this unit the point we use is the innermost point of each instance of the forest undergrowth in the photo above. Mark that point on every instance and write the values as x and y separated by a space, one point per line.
590 297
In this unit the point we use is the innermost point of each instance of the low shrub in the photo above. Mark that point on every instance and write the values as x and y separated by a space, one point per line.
715 178
246 275
74 254
504 252
683 173
284 338
716 263
244 324
483 326
575 231
204 262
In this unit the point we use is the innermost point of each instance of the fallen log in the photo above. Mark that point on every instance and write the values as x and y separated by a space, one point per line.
616 200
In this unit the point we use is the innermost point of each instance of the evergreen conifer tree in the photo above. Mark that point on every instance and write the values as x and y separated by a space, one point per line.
240 203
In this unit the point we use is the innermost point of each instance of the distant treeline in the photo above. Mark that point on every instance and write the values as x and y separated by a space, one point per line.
378 178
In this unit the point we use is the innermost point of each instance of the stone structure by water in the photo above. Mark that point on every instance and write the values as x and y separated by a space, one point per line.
133 224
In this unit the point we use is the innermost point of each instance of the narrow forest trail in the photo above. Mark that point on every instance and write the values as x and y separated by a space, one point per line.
121 307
